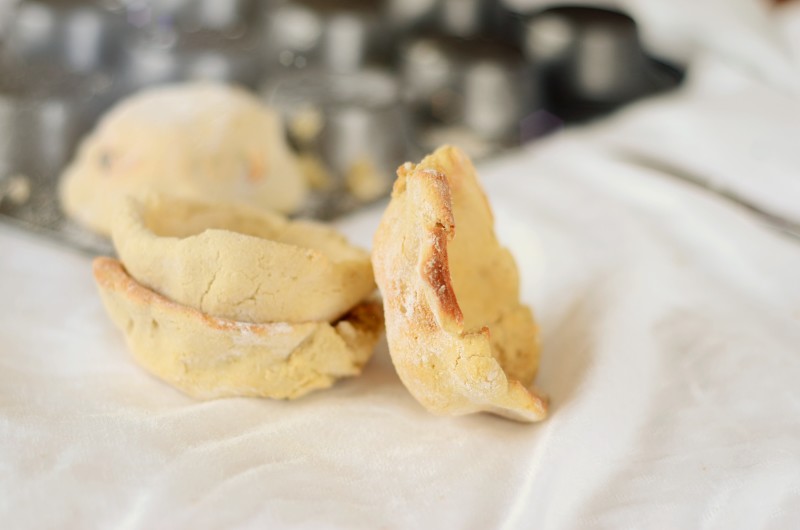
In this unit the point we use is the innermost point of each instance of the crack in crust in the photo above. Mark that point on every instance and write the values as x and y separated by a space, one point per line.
210 256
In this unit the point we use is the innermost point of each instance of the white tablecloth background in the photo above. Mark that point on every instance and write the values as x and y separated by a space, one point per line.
671 330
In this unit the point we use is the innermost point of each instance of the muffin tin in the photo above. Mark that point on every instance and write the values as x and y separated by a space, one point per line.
350 127
363 85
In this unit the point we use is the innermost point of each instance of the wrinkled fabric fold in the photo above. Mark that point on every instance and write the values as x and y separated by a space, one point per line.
670 322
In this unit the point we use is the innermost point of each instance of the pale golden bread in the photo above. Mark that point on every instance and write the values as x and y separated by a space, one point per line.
208 357
458 335
198 140
235 262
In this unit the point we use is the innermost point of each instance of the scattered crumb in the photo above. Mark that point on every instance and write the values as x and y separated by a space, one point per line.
17 189
317 176
364 181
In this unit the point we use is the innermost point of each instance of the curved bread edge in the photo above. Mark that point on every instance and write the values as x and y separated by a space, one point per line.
208 357
449 369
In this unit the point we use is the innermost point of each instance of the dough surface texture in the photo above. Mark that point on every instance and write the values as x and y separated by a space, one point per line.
235 262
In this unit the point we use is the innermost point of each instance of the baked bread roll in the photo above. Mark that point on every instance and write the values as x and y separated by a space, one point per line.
458 335
239 263
195 140
208 357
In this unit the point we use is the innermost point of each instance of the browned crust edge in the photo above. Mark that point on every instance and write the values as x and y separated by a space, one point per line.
433 265
111 274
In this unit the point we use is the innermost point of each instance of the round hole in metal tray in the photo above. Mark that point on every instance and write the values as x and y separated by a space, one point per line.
43 113
484 86
73 35
338 36
591 60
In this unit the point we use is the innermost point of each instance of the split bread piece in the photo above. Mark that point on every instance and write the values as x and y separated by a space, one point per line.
458 335
208 357
198 140
240 263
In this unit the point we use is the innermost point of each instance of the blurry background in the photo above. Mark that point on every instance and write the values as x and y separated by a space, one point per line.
364 82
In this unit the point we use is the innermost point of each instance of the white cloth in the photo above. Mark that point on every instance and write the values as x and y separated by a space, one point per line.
671 331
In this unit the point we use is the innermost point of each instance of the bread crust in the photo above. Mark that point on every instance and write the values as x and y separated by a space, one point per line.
198 140
209 357
458 335
240 263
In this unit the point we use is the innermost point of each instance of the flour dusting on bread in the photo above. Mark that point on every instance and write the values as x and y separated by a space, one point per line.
458 334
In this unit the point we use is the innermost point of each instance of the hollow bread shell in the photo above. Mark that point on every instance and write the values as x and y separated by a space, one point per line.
198 140
458 335
208 357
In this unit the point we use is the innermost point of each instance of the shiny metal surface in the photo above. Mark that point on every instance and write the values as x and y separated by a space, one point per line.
39 131
337 36
482 88
352 124
228 17
40 125
157 58
80 37
466 18
410 15
590 60
363 85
